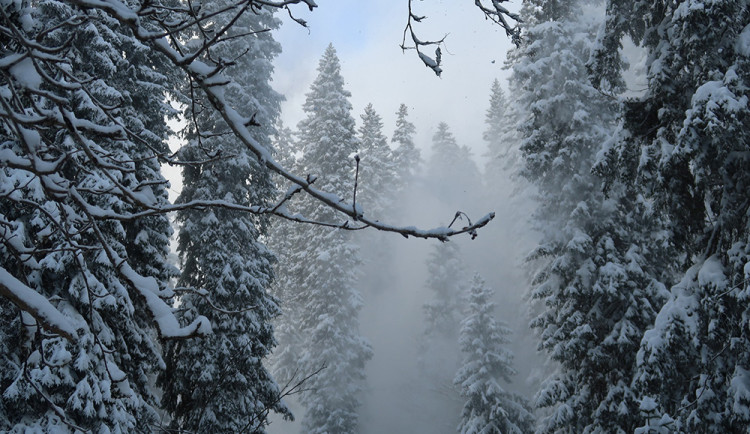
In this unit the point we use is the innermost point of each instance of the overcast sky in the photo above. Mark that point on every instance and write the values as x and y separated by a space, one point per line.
367 35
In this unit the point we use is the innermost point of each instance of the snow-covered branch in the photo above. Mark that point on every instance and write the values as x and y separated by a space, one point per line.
495 12
500 15
36 305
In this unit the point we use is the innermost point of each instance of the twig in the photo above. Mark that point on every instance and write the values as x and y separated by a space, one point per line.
356 179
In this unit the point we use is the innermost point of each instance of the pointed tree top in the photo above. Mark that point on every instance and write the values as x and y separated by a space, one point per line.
404 128
329 55
443 138
371 118
329 81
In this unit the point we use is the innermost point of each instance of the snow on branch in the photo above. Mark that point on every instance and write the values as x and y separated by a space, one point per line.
418 44
36 305
500 15
495 12
168 326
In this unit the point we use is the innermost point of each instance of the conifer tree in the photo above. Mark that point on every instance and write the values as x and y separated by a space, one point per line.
497 124
504 187
596 284
445 279
284 147
502 136
680 143
451 172
377 168
323 272
72 250
489 407
282 242
407 156
378 185
220 383
438 351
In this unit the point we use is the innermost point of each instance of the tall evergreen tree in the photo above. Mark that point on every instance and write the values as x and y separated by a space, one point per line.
376 193
494 119
446 279
407 156
323 272
284 147
501 135
438 351
282 242
682 141
451 174
73 250
489 407
220 384
595 277
503 186
377 173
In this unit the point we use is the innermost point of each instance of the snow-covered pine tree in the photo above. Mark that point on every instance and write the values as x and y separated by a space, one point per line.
220 383
684 141
445 279
323 271
281 241
284 148
501 135
438 351
451 172
489 407
594 282
80 329
378 185
504 188
377 168
406 155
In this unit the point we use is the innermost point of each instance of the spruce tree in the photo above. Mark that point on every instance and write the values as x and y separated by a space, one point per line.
502 136
451 174
322 273
220 383
407 156
72 241
377 168
446 279
489 407
594 279
281 241
680 143
438 351
378 185
503 186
